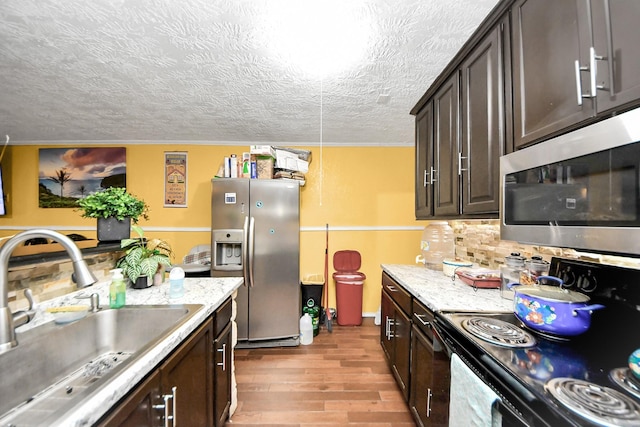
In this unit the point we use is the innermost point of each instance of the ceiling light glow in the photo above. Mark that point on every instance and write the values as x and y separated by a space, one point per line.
318 37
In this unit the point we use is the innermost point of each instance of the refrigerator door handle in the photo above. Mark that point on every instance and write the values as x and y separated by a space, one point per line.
252 232
245 251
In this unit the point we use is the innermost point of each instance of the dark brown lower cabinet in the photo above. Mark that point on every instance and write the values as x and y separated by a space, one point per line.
195 380
186 377
222 355
140 407
430 375
395 332
184 382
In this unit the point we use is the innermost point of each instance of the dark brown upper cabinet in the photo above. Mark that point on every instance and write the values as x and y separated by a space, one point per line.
484 128
616 36
572 61
461 134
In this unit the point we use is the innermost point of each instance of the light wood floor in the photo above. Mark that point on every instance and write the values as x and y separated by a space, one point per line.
341 379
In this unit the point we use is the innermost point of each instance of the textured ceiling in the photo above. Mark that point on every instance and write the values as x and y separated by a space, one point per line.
215 71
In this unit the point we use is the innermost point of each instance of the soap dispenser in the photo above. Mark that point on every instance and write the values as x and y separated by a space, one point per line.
117 289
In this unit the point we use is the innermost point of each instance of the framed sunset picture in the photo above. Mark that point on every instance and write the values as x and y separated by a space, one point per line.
69 174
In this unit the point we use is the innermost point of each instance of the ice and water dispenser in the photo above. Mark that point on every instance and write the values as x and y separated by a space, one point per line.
227 249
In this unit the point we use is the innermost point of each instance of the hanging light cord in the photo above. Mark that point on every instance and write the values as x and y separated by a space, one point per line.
321 157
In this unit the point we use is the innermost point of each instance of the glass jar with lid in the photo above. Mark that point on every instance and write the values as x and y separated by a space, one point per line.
533 268
510 273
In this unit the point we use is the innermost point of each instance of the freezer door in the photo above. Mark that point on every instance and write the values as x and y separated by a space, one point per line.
274 297
229 210
229 203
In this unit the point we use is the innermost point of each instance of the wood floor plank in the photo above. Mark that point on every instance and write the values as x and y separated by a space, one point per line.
341 379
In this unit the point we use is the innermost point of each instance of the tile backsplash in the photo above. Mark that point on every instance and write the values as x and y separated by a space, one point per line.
479 241
50 279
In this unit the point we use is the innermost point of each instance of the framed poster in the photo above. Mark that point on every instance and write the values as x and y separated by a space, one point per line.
68 174
175 179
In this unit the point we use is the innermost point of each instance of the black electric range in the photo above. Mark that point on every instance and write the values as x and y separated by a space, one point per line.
544 380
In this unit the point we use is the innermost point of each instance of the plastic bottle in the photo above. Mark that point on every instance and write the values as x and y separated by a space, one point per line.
437 244
176 282
306 329
314 312
117 289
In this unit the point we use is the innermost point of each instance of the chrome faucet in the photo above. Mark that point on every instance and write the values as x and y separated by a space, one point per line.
82 276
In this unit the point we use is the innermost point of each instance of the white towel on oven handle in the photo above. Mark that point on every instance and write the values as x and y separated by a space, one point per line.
471 400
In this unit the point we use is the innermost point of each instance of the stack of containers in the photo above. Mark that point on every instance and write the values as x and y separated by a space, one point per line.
349 282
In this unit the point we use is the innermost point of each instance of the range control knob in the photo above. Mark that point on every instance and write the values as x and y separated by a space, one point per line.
568 277
587 282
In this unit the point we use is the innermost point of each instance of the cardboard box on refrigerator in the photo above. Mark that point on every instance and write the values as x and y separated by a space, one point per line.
290 161
262 150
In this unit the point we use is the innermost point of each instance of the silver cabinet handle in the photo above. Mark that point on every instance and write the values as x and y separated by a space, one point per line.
592 69
387 328
609 58
391 324
169 417
425 181
420 317
593 57
579 82
460 159
223 350
433 174
429 394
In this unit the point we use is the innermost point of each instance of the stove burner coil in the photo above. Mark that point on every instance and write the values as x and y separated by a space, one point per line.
600 405
498 332
625 379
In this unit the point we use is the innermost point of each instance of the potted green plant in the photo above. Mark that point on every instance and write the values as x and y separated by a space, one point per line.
115 210
143 258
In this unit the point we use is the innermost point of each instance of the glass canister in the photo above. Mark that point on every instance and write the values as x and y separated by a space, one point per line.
534 268
437 244
510 273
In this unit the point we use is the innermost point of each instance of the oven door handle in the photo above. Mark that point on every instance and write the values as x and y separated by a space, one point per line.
438 338
509 416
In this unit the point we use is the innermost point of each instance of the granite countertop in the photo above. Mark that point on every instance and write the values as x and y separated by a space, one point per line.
209 292
439 292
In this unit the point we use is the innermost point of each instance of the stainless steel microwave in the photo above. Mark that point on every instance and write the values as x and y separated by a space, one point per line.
580 190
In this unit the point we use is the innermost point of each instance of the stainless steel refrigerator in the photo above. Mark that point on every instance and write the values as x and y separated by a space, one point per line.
255 234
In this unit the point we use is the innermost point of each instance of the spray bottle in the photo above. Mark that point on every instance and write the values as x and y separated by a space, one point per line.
117 289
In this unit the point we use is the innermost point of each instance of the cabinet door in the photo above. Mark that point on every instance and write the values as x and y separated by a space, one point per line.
189 371
421 377
548 37
387 315
425 174
446 199
483 130
138 407
222 354
615 35
402 350
440 385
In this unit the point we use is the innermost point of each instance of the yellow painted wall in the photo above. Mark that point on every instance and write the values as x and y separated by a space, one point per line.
365 194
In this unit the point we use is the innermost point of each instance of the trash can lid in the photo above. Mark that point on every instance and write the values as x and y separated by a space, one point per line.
347 260
349 277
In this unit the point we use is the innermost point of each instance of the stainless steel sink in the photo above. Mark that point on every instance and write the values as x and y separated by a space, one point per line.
55 367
